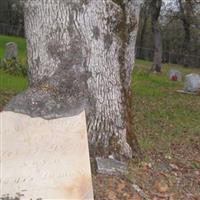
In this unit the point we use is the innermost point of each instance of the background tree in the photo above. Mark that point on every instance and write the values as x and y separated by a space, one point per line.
170 21
186 16
155 8
144 14
150 28
11 17
173 33
80 56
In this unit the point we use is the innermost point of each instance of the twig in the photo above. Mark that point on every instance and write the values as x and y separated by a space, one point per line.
140 192
161 195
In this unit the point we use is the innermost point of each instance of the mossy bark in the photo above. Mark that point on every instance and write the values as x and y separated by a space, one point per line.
81 56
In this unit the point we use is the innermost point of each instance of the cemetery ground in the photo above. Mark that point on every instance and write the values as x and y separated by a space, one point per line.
167 125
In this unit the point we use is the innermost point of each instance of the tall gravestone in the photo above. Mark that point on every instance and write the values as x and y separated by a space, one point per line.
11 51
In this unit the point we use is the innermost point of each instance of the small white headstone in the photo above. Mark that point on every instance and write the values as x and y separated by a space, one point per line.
192 83
11 51
47 159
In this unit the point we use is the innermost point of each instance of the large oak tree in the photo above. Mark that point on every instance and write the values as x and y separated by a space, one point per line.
80 56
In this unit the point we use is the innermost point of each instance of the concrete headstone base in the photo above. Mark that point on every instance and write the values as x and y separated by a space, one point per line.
110 166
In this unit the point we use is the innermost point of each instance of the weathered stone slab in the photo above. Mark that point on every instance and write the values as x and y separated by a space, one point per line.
11 51
47 159
110 166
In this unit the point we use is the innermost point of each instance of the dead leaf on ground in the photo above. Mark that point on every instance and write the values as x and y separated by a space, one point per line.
161 186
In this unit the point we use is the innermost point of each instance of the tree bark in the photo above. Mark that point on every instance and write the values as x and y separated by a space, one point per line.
142 27
185 10
157 60
80 56
155 10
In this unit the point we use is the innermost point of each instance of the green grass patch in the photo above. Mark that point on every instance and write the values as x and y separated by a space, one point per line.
11 83
162 116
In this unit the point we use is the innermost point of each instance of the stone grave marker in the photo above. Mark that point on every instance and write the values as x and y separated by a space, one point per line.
11 51
175 75
192 83
44 159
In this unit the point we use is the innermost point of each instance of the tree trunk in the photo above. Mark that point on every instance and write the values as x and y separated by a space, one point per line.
80 56
186 44
155 13
157 60
141 34
185 9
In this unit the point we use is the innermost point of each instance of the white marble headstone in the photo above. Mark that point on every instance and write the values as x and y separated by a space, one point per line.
47 159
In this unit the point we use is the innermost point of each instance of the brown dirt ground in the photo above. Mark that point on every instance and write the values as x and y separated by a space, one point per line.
113 188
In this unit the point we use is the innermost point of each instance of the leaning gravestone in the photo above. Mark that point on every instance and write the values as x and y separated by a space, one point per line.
44 159
11 51
192 83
